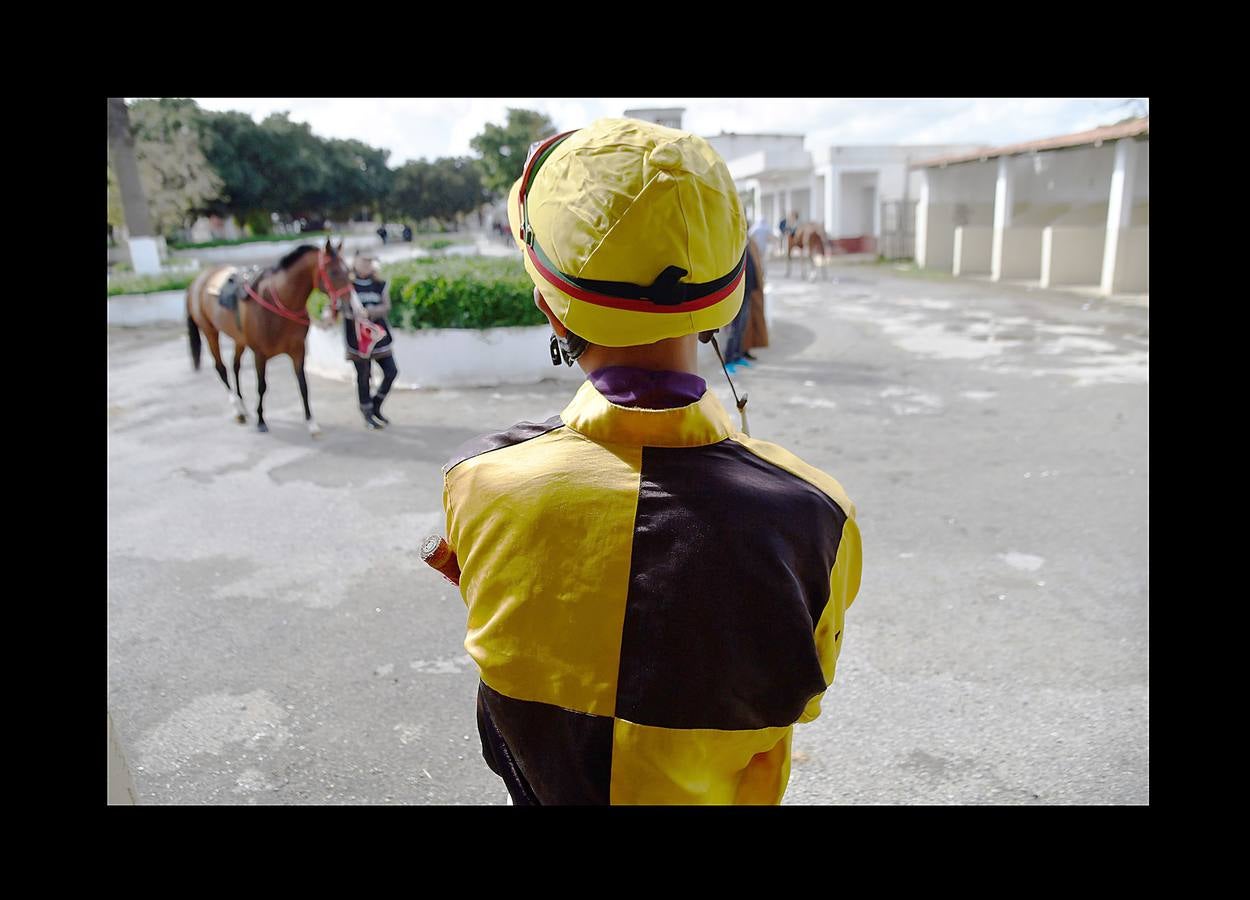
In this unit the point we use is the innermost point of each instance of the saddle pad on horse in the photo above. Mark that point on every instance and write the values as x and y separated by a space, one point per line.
226 286
218 279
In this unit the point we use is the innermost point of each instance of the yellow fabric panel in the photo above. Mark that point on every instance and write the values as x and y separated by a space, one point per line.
698 766
544 531
592 414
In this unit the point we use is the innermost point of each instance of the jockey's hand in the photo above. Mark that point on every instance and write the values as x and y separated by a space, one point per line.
327 316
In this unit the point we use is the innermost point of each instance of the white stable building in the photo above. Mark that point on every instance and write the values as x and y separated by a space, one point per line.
1069 211
862 195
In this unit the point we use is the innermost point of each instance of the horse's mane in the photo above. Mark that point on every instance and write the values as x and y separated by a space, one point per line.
294 256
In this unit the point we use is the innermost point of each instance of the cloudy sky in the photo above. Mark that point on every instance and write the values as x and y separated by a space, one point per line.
432 127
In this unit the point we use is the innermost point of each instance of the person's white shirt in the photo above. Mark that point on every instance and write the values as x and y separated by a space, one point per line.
761 233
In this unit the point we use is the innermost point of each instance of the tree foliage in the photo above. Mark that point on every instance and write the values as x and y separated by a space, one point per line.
437 190
503 148
176 177
195 161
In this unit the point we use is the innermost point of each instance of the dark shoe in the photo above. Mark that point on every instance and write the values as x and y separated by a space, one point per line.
377 411
750 357
373 424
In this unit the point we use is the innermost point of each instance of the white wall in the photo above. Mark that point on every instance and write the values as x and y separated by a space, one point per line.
856 214
967 183
733 146
450 357
801 200
1022 252
1141 182
1073 255
1132 262
1076 177
148 309
972 250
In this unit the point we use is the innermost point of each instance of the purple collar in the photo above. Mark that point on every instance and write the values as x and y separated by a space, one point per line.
646 388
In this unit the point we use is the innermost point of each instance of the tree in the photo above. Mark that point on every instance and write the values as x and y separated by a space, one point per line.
126 191
503 149
438 190
238 151
357 177
176 178
298 167
409 192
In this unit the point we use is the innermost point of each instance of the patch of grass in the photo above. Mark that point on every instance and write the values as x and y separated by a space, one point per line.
909 269
150 284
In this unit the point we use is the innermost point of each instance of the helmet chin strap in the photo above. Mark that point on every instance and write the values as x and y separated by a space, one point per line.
741 402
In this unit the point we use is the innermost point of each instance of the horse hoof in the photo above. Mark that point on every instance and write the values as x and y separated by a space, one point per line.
240 418
314 429
261 426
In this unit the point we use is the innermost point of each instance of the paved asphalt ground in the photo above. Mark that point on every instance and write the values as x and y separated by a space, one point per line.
274 639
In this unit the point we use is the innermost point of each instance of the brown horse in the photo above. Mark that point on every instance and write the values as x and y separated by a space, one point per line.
812 242
270 318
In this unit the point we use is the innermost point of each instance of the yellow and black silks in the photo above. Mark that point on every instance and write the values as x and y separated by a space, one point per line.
653 601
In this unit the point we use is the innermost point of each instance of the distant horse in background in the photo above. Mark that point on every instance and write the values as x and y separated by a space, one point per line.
813 244
270 317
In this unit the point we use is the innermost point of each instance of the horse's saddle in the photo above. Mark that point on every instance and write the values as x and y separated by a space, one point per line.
229 285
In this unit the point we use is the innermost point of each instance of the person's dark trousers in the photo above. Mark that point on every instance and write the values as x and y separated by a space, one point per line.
733 346
389 371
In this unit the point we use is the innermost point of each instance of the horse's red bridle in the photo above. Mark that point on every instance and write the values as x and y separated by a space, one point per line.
301 317
331 291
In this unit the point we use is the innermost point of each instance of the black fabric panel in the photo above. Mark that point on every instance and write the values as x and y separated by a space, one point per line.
497 755
729 576
546 755
518 433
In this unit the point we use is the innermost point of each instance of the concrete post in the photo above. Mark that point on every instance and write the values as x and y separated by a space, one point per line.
1119 209
922 219
832 201
876 208
1048 255
1004 200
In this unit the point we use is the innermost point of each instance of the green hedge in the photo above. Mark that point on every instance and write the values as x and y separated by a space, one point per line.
462 292
457 292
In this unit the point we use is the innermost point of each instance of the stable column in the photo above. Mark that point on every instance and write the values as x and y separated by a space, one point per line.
922 220
1119 210
833 198
1004 200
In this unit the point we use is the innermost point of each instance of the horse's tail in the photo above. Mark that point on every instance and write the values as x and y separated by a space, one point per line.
193 334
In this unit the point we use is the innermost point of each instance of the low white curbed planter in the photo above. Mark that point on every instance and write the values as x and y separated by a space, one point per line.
449 357
148 309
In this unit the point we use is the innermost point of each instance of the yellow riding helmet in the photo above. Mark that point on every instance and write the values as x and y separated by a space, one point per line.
632 232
